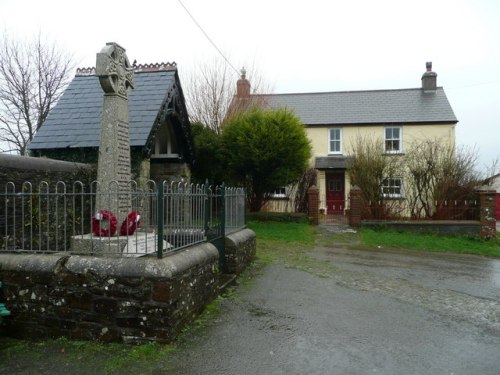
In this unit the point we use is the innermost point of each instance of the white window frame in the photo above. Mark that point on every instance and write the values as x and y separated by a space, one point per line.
392 139
388 185
280 192
330 140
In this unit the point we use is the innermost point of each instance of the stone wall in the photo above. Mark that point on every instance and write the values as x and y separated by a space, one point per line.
115 299
139 164
164 169
19 169
108 299
240 250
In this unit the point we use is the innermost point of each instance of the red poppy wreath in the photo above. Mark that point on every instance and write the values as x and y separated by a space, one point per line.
130 224
97 224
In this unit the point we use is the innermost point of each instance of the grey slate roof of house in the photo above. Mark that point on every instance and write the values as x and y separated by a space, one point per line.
76 119
367 107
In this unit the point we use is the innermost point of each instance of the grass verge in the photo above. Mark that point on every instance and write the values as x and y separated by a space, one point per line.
430 242
290 245
60 356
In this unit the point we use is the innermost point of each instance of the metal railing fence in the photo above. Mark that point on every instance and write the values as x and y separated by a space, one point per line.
53 217
438 210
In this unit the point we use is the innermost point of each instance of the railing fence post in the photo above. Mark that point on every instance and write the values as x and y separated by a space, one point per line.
160 218
245 212
222 250
207 208
223 209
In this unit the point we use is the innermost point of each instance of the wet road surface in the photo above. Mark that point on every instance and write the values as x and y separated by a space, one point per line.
469 274
372 312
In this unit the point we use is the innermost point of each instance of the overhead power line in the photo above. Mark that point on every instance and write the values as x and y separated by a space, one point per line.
208 37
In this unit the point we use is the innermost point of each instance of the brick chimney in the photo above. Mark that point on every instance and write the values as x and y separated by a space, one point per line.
429 79
243 86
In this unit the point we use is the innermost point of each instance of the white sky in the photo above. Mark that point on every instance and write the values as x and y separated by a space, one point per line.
300 46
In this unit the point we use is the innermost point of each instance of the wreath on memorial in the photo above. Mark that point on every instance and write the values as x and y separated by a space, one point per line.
97 224
130 224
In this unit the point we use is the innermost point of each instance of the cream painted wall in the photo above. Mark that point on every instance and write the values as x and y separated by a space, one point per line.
445 133
322 189
319 141
496 184
411 133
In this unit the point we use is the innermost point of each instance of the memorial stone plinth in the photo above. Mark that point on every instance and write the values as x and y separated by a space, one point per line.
141 243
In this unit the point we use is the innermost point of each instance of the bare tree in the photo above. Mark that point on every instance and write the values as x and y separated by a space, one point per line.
459 176
491 171
33 76
438 174
211 90
369 166
425 163
299 190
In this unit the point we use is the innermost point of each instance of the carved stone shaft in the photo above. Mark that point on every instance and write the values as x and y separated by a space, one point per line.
113 171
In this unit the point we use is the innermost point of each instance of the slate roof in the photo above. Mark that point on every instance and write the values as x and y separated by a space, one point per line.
331 162
76 119
367 107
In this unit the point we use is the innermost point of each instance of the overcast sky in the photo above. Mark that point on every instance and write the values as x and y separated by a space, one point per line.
299 46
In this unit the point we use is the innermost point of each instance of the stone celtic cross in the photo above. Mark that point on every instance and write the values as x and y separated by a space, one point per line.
116 77
114 70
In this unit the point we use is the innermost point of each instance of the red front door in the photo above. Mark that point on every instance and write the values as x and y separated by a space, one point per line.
335 200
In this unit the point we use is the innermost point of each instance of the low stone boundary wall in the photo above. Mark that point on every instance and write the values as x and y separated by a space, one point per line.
18 169
114 298
240 250
108 299
434 226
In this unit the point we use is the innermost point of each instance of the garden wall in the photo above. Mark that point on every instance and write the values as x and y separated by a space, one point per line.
240 250
114 299
434 226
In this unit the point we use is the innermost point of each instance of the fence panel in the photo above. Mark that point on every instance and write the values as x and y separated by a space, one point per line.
403 210
52 217
183 215
235 209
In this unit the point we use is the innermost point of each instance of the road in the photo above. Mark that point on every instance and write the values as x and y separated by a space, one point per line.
363 312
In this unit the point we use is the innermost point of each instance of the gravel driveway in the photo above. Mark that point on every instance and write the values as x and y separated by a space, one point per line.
368 312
